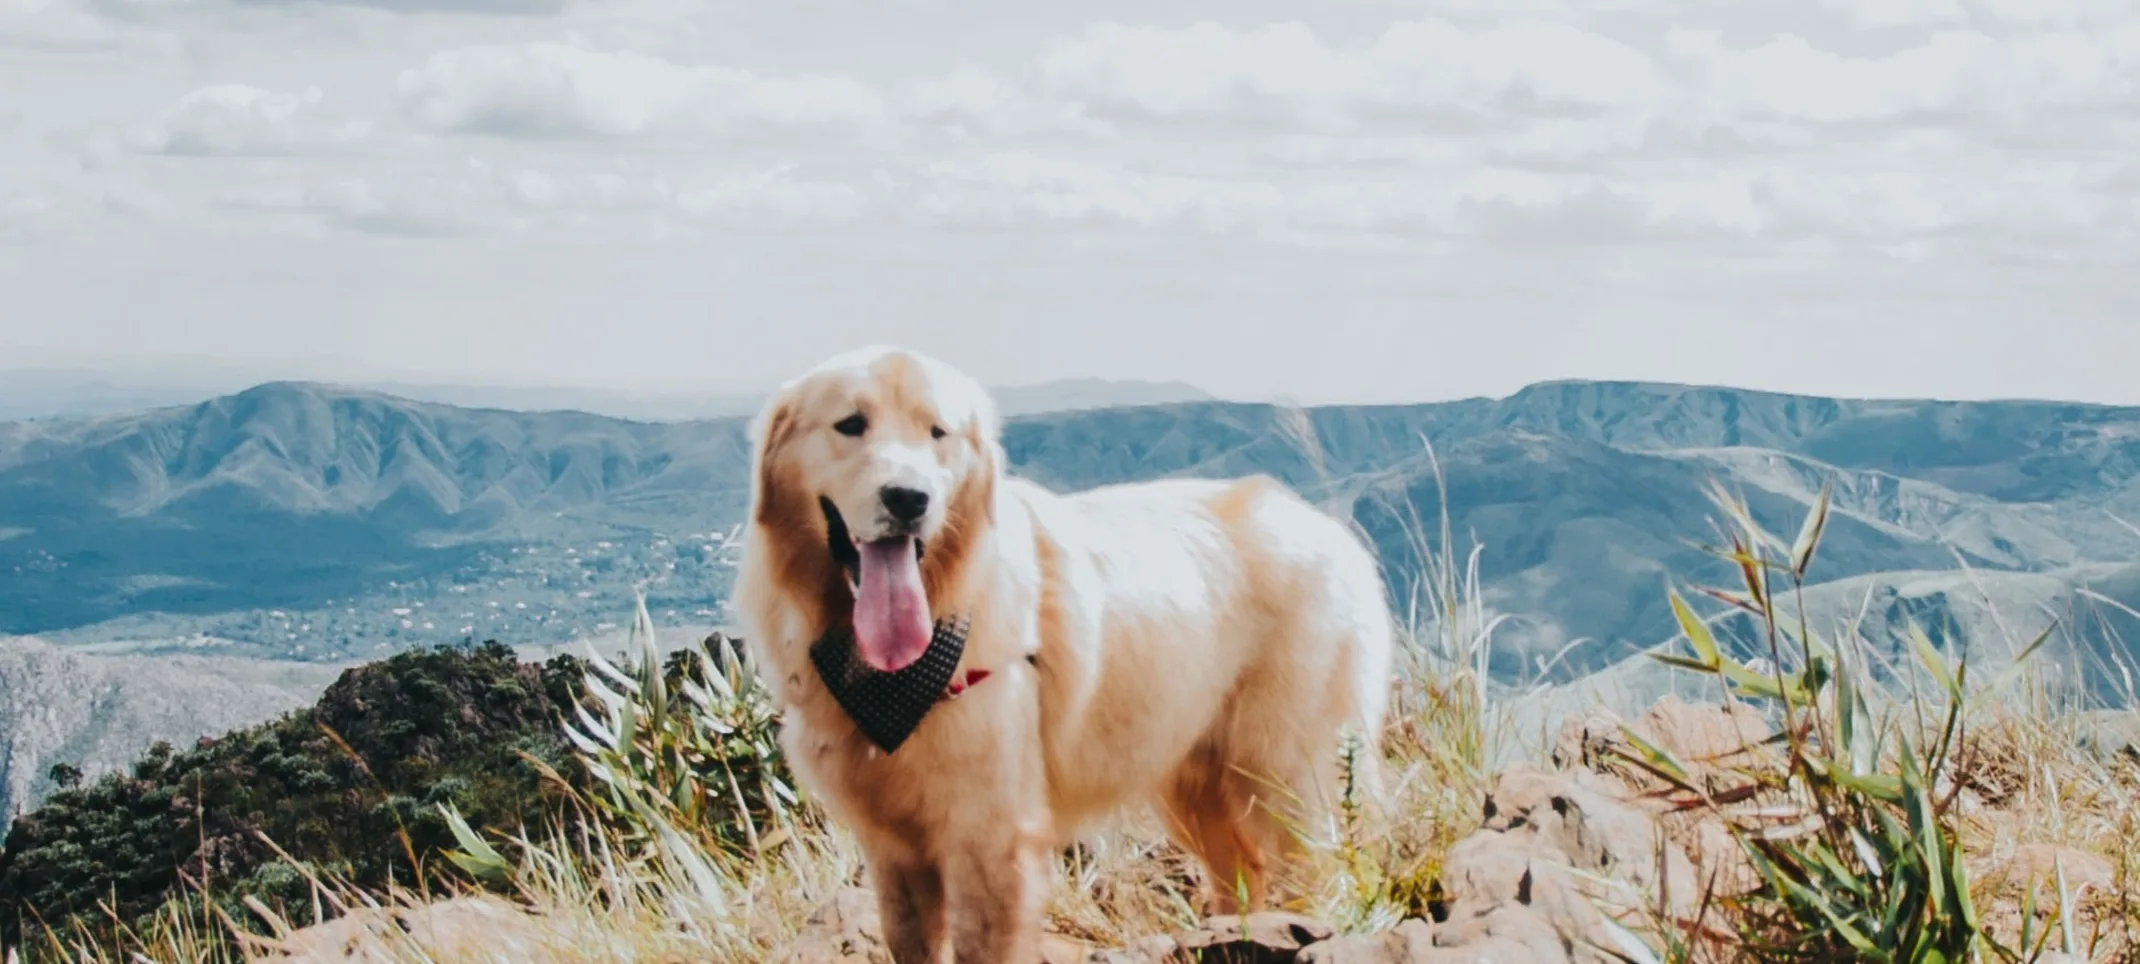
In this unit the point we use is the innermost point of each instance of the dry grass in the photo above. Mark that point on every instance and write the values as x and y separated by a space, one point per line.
592 892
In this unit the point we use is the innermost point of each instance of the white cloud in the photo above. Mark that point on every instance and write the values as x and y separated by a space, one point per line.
357 205
775 196
1901 13
1953 73
1012 187
549 90
53 25
471 197
974 102
1552 92
235 119
584 199
1937 193
507 7
1285 70
2058 14
1790 78
2031 212
25 218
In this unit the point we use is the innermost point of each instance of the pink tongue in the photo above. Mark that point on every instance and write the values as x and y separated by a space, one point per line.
891 610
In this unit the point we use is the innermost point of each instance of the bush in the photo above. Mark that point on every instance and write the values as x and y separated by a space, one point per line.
349 787
1858 850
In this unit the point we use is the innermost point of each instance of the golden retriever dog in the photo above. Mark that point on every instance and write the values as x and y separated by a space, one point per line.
1196 644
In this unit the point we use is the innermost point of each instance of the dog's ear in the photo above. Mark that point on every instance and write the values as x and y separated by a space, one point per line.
771 430
984 427
984 430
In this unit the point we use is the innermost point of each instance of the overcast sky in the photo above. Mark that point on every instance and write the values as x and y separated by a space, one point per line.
1393 200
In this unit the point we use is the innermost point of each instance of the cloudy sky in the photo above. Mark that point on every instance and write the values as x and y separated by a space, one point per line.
1392 200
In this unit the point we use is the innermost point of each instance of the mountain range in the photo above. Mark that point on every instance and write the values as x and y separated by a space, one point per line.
328 525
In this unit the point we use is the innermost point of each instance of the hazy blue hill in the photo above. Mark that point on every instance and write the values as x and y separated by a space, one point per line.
367 522
1581 536
2010 450
289 495
289 447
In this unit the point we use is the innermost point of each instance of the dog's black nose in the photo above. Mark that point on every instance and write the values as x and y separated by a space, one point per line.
905 505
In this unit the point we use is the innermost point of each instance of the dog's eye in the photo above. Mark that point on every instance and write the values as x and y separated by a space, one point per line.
852 425
936 431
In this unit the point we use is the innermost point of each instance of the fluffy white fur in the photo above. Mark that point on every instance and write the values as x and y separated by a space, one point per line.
1196 644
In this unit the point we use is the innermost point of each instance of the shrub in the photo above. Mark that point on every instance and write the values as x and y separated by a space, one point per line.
1862 860
349 787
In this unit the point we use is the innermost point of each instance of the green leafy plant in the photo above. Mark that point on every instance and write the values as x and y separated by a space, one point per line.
1857 846
688 744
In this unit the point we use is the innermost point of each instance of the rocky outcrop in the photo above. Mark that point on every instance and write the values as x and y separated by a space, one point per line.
99 713
1567 863
459 929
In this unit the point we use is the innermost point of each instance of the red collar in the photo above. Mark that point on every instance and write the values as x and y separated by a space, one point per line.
965 681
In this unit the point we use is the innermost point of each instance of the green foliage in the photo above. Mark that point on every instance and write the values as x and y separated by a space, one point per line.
430 754
1858 853
65 776
685 744
352 788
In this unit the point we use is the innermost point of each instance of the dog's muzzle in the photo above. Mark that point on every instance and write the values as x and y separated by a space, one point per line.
840 541
886 707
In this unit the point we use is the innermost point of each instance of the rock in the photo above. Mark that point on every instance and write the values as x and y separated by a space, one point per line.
846 930
1556 852
1704 733
1716 743
1585 821
1150 950
1721 864
843 931
1408 942
1587 743
1057 949
1265 938
463 928
1709 739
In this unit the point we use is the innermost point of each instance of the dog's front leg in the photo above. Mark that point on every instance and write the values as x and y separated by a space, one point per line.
910 907
995 886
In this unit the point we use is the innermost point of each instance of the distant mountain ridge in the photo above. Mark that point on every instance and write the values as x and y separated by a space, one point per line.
332 491
392 484
326 525
98 713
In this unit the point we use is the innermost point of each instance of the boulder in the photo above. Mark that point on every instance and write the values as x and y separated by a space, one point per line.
462 928
1266 938
845 930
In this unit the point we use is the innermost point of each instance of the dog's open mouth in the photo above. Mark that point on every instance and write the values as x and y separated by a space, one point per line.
891 610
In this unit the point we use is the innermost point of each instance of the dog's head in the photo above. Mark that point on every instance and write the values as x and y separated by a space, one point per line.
877 459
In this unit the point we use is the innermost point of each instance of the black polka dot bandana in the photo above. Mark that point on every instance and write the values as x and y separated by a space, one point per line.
887 707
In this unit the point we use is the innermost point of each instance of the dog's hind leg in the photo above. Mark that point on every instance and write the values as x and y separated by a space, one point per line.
1228 830
1278 774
